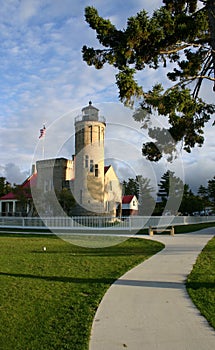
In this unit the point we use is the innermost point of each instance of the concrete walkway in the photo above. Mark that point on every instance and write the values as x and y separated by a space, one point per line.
148 308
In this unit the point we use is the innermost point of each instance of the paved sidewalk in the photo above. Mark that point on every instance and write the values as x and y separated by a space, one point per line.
148 308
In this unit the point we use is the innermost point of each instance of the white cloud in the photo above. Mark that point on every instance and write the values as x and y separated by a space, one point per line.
27 9
13 173
44 77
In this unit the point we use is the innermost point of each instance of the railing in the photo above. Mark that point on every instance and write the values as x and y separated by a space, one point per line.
81 118
101 223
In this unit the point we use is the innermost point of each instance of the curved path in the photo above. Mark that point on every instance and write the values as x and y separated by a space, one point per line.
148 308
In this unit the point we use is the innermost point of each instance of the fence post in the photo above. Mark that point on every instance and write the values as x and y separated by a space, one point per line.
129 223
172 232
150 231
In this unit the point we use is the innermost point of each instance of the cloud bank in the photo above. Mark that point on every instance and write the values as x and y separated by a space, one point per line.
44 78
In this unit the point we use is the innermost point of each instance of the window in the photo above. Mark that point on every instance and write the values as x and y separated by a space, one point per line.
111 187
96 170
91 166
99 135
81 195
86 161
107 206
91 133
80 136
102 134
134 203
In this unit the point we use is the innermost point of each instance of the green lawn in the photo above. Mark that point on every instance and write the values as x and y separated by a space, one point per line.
48 299
201 282
193 227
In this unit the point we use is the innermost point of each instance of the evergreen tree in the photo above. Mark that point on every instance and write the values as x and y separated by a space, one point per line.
190 203
203 194
170 191
179 37
141 188
145 198
211 190
5 186
164 187
23 195
66 200
131 187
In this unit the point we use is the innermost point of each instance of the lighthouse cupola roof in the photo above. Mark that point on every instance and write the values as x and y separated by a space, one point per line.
90 112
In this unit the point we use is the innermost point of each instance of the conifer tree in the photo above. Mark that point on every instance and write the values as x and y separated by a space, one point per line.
211 190
181 38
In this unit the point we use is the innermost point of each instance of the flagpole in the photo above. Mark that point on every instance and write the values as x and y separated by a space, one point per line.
43 148
42 136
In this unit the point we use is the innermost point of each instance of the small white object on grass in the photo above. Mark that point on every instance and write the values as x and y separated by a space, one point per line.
44 249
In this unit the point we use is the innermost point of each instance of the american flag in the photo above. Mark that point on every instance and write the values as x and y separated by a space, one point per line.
42 132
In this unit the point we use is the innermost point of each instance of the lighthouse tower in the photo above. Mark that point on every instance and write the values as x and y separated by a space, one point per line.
89 160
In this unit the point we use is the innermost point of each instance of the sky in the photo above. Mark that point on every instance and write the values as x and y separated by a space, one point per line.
45 81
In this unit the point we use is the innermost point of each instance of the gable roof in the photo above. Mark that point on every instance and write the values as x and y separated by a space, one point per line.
8 196
31 181
106 168
127 199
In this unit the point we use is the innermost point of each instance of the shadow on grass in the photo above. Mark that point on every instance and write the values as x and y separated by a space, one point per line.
102 253
121 282
200 285
63 279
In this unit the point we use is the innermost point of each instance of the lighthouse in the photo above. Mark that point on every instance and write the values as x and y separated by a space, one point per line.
89 160
95 185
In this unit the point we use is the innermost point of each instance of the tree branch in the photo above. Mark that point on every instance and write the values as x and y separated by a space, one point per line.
179 48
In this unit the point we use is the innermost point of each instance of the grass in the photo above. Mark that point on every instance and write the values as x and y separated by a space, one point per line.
201 282
193 227
184 228
48 299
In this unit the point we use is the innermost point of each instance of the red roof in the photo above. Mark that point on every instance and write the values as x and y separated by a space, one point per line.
106 168
9 195
31 181
127 199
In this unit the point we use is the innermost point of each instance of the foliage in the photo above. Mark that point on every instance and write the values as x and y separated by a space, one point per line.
48 299
211 190
203 195
207 194
201 282
142 189
190 203
170 191
131 187
146 198
5 186
66 200
53 202
177 36
23 195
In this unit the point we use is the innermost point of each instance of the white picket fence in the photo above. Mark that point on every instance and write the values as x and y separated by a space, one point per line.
101 223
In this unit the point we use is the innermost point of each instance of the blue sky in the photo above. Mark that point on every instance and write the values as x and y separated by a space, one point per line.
44 80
